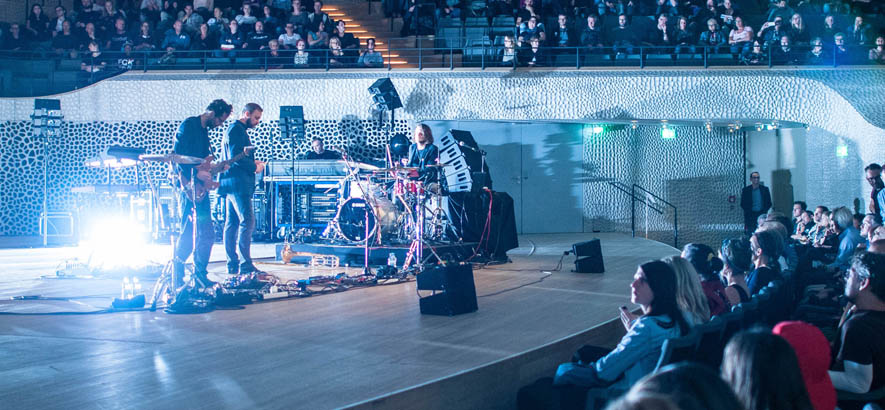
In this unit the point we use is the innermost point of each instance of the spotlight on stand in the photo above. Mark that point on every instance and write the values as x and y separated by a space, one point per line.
385 95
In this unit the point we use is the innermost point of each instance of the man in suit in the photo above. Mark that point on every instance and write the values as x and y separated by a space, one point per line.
755 200
237 184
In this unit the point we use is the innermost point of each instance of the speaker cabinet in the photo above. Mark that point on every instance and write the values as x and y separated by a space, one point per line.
455 292
588 257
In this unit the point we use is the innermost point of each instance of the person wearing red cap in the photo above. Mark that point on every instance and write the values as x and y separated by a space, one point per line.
813 351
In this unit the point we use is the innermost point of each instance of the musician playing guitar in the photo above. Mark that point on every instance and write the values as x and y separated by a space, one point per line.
238 186
192 139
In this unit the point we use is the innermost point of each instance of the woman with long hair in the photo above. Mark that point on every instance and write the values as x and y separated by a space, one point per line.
763 370
654 290
689 294
736 261
707 266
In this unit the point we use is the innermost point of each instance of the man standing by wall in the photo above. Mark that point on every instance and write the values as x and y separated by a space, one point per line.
755 200
877 196
238 186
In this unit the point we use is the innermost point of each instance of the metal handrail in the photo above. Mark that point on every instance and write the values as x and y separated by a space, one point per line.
626 189
659 199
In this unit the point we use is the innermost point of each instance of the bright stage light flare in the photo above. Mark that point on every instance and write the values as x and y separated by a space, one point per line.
116 243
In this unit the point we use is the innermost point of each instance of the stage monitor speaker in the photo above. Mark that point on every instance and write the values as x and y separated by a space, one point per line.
588 257
456 292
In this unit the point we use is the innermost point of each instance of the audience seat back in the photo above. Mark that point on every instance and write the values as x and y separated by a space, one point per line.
678 349
710 344
733 322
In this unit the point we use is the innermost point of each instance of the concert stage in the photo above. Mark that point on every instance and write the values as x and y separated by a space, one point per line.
367 348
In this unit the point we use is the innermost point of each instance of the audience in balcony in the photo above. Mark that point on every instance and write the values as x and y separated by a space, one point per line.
509 54
118 37
318 38
218 23
534 55
301 56
337 57
591 37
271 22
713 37
95 61
741 37
369 57
858 33
530 29
289 37
204 39
66 43
109 16
145 40
258 38
61 15
348 42
877 53
526 11
37 24
191 20
246 20
176 39
622 39
562 35
684 37
799 34
231 40
298 17
828 30
318 16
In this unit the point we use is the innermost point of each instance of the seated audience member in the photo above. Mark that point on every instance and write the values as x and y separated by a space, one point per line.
860 352
509 54
61 15
672 8
610 7
591 36
707 266
145 39
318 38
857 219
176 38
317 16
787 255
684 37
204 39
818 55
302 56
117 38
763 370
712 37
369 57
127 61
755 56
530 29
772 32
337 58
37 24
877 53
526 11
741 37
869 225
813 352
690 386
858 34
848 238
828 30
231 40
533 55
298 17
94 61
622 37
843 53
784 53
450 9
66 43
89 35
150 11
170 12
89 13
275 58
799 34
271 22
798 208
289 37
654 289
258 39
190 20
763 248
218 23
779 9
663 35
736 258
689 294
562 35
803 227
246 20
349 43
727 14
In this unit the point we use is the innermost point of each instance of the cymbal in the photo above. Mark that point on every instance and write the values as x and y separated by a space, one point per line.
363 166
172 157
397 169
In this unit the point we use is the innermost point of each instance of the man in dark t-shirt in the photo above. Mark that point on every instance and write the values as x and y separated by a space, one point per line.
318 151
192 139
860 351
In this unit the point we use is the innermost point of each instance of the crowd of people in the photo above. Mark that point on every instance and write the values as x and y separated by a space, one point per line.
832 265
297 33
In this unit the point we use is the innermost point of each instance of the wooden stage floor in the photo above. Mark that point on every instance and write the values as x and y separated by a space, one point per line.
326 351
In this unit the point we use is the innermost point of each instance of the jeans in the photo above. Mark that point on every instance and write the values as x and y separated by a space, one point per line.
205 237
239 224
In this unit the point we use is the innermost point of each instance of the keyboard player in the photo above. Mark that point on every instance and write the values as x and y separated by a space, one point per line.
318 151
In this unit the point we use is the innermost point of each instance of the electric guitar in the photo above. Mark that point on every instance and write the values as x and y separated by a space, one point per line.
205 175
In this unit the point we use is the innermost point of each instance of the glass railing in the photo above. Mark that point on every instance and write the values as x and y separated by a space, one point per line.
46 72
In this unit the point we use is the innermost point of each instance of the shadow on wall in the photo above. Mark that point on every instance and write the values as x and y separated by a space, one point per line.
835 171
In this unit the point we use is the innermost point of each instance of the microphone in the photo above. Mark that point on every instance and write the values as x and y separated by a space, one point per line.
463 145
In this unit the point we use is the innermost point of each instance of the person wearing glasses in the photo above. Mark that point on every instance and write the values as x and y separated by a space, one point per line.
859 351
877 196
755 201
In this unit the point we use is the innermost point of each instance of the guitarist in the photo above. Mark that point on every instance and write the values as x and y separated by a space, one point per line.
237 186
192 139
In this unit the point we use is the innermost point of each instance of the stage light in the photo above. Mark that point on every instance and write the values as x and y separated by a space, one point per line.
842 151
114 243
708 125
759 126
598 129
668 133
634 124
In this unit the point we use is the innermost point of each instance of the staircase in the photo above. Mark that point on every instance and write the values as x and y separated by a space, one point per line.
366 20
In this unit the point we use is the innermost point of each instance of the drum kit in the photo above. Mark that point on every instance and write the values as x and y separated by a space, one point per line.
387 206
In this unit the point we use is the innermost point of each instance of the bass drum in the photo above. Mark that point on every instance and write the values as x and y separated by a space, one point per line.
352 218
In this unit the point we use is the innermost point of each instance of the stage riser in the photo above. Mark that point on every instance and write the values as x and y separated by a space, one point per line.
350 255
